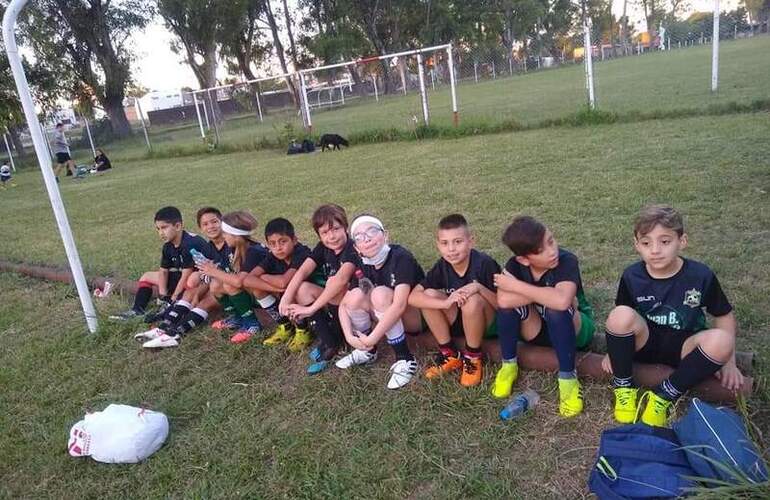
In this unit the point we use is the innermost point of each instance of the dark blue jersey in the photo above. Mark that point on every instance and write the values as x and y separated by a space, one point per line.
221 254
443 277
400 267
178 258
255 255
674 303
272 265
329 262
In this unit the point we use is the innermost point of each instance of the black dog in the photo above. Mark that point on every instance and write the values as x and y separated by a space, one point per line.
332 141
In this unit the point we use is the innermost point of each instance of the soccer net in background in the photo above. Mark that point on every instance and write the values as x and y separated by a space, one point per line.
397 91
241 114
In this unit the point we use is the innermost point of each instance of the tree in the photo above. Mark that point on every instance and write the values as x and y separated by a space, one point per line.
91 39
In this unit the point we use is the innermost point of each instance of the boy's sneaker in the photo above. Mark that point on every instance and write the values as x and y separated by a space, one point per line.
248 328
281 334
656 411
472 372
625 404
357 357
443 364
162 341
228 323
152 333
315 354
570 397
506 376
126 315
302 338
401 373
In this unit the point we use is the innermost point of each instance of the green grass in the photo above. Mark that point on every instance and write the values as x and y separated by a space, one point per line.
286 435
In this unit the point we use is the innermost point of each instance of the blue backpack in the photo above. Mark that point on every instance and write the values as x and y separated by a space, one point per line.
639 461
718 446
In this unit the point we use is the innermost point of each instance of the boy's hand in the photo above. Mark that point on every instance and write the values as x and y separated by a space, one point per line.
458 297
206 266
504 281
730 376
283 307
606 365
298 312
364 341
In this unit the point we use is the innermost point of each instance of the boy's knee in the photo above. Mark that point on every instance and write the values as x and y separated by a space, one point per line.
382 298
354 299
474 304
621 319
193 281
718 344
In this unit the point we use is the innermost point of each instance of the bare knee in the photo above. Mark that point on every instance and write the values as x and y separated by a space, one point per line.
382 298
354 299
718 344
622 319
474 304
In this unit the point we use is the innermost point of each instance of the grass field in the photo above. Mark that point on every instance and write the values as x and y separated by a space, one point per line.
247 422
660 81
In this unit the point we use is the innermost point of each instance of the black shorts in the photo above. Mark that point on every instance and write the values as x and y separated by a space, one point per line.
5 178
62 157
663 346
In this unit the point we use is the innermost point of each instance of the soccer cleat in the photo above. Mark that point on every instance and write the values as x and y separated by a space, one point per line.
126 315
162 341
656 411
302 338
315 354
318 367
625 404
401 372
570 397
152 333
356 357
281 334
472 372
506 376
443 364
228 323
248 328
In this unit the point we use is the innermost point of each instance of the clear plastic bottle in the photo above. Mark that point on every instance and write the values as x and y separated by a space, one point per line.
519 404
197 256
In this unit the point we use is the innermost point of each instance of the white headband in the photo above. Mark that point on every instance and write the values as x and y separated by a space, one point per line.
364 219
234 230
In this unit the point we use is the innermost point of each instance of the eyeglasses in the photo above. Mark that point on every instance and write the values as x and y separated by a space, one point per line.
370 233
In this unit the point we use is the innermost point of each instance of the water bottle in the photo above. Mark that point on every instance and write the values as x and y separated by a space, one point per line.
520 404
197 257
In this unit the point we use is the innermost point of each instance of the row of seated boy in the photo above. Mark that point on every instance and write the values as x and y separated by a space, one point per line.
355 287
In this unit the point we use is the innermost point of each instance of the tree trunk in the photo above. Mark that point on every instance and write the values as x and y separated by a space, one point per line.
18 148
280 53
114 108
243 64
289 32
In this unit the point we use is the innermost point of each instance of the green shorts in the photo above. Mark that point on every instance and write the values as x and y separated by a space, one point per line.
456 328
584 336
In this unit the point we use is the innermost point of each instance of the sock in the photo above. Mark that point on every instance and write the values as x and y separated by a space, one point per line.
319 323
449 349
142 297
561 332
176 312
270 305
509 329
621 351
472 352
396 338
242 303
192 319
694 368
401 349
302 323
334 324
227 304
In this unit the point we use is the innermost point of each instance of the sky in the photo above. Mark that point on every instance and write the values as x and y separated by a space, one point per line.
158 68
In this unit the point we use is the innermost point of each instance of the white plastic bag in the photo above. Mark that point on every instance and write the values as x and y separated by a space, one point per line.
118 435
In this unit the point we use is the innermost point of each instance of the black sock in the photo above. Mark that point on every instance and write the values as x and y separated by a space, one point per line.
142 298
192 319
334 324
621 351
402 350
319 323
693 369
302 323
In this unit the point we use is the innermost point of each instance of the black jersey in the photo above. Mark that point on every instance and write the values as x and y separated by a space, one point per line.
329 262
677 302
221 255
400 267
271 265
178 258
255 254
481 269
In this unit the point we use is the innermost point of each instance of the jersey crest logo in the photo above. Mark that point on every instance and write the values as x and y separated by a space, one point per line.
692 298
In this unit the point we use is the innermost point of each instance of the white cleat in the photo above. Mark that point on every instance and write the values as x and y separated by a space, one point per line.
401 373
357 357
162 341
152 333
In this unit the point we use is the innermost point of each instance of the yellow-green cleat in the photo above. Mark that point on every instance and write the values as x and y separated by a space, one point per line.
504 380
656 411
302 338
281 334
570 397
625 404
